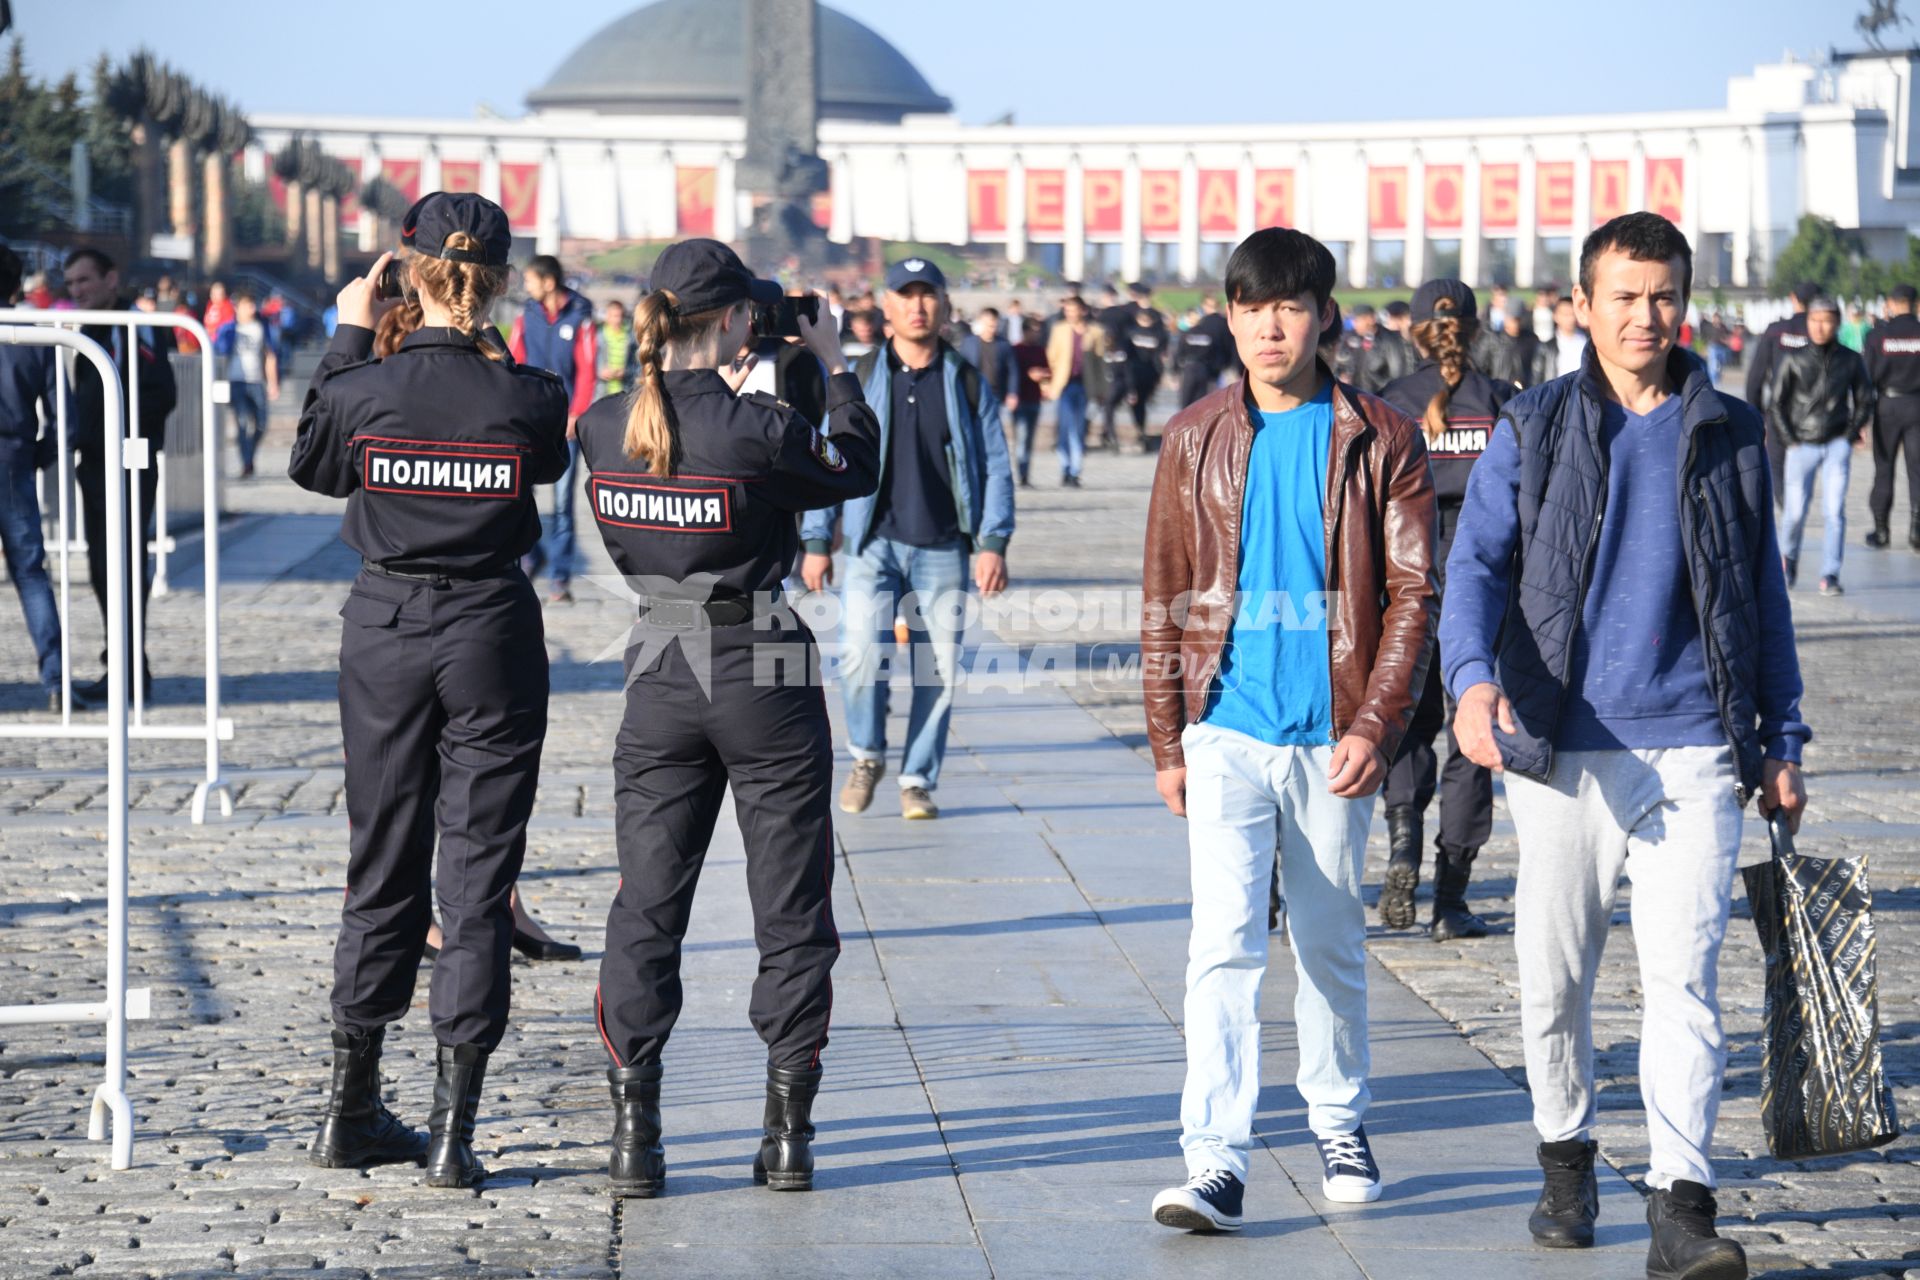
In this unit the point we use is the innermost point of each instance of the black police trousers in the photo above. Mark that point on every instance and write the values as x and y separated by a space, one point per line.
1466 789
1196 381
1896 430
763 730
443 705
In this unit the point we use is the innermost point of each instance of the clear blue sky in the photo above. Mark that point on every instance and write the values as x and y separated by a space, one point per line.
1048 61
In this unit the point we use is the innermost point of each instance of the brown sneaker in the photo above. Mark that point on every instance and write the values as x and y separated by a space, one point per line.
916 805
858 793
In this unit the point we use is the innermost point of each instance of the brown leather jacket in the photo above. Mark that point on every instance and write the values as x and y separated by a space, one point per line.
1383 603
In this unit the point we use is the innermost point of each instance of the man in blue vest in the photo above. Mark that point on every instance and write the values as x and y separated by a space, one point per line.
1616 633
555 331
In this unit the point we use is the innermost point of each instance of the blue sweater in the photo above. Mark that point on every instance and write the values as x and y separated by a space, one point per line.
1638 676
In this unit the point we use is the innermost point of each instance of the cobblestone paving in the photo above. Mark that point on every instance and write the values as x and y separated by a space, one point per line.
232 926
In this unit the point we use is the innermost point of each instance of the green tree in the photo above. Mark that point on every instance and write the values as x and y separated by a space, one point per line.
1820 253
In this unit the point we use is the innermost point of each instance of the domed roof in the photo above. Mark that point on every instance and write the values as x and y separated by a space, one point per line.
688 57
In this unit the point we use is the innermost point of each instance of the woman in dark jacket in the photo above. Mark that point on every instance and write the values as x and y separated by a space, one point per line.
1457 404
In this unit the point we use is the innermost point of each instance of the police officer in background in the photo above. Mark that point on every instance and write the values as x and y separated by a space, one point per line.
1893 360
443 667
695 489
1205 351
1392 356
1457 405
1789 334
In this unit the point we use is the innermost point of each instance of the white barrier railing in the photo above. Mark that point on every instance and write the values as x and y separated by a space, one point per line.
110 1097
212 728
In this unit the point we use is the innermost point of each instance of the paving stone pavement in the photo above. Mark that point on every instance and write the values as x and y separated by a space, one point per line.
1002 1086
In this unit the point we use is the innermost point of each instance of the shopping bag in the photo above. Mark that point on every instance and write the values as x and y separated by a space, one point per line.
1823 1090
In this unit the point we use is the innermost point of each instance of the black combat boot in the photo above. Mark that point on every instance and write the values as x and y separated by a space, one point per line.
1570 1201
357 1128
1403 867
456 1100
785 1162
1684 1246
639 1165
1452 868
1880 535
1913 532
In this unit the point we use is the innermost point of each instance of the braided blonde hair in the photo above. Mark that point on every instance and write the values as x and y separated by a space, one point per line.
468 290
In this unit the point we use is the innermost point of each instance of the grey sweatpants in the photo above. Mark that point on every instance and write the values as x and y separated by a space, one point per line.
1670 820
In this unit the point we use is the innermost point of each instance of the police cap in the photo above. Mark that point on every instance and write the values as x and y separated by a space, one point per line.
915 271
1427 299
435 218
705 275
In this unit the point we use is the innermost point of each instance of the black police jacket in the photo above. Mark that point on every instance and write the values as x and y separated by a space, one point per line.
1471 411
723 525
1789 334
1819 394
1391 357
1893 357
435 448
1207 346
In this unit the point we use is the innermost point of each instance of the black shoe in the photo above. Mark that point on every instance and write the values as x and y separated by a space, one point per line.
1452 869
1791 567
535 949
94 694
785 1162
1913 532
1684 1246
1830 585
1209 1201
1570 1201
456 1100
357 1128
638 1169
1879 535
1403 867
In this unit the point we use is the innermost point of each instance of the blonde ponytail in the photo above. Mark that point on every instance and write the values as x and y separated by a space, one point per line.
1444 340
653 433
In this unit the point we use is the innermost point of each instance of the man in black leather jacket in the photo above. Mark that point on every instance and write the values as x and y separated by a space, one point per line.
1821 399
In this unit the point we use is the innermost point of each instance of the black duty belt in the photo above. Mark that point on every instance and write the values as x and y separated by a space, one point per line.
442 575
686 615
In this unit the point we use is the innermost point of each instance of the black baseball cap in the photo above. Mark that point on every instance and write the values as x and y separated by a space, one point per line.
1904 292
914 271
705 275
1427 297
436 216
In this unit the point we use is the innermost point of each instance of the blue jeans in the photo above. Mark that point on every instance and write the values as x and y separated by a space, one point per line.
928 586
557 557
247 401
26 557
1831 462
1071 425
1025 418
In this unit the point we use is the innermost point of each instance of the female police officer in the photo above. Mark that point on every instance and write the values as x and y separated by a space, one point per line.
695 489
443 667
1457 405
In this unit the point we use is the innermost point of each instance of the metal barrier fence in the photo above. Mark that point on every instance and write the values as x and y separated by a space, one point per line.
212 728
110 1101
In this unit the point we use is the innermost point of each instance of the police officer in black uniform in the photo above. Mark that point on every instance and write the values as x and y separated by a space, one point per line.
1457 404
1205 351
443 667
696 490
1893 361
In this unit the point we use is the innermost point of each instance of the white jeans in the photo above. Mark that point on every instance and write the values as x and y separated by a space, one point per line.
1670 820
1241 795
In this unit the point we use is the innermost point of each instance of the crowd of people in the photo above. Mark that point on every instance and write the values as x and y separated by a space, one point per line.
742 445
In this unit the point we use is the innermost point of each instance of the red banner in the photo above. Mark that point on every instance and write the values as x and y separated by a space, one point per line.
693 200
1102 194
1609 190
1046 202
986 202
1499 197
822 209
1553 200
1446 197
1387 199
460 175
1273 198
1160 202
402 175
1219 202
350 202
1666 188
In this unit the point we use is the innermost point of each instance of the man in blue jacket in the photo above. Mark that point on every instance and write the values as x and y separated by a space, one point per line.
946 495
1616 631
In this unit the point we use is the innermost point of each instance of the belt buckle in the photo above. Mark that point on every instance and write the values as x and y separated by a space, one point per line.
675 615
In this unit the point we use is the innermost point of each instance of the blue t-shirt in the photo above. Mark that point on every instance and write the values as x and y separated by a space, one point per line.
1274 684
1638 676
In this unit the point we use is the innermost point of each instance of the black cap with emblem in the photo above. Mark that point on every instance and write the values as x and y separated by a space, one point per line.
437 216
705 275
